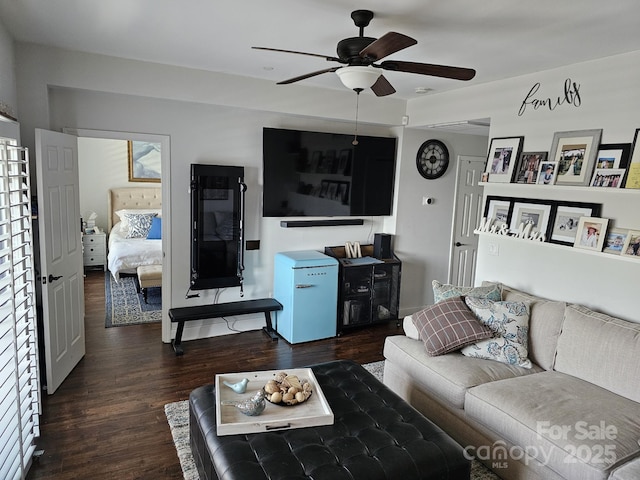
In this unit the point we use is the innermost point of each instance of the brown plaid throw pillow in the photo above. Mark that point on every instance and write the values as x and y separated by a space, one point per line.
448 326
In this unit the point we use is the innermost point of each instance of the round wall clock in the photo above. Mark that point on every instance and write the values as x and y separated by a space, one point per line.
432 159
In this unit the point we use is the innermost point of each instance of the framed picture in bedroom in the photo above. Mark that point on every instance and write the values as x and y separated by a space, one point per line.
502 158
591 233
566 217
576 152
145 162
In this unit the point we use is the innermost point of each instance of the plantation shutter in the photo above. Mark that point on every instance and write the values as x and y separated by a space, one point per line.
19 378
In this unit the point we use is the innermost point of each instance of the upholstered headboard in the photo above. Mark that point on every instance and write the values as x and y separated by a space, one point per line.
132 198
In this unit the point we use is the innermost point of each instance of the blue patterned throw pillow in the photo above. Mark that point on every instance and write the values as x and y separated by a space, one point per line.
139 224
510 323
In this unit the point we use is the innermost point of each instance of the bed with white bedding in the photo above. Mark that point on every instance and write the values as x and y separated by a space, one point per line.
134 224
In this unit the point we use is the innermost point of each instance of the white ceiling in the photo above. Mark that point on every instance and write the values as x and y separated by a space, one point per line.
498 38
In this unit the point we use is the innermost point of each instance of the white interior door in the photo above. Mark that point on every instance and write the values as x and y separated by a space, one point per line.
467 214
60 254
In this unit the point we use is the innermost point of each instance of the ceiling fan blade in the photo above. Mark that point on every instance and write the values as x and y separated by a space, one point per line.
326 57
456 73
387 44
382 87
308 75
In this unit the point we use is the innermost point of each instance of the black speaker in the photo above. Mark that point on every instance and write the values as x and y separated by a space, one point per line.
382 246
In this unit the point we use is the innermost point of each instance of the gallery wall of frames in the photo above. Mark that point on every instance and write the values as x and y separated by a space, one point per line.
575 159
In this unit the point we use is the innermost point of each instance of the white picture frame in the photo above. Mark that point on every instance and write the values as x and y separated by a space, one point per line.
534 213
591 234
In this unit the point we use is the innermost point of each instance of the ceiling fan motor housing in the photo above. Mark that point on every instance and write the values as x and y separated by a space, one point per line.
349 50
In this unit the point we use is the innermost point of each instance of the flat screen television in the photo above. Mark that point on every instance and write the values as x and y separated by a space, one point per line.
313 174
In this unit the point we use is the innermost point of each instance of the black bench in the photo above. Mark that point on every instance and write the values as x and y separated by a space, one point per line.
244 307
376 435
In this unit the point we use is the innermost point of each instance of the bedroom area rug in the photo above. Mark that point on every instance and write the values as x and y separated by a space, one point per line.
178 418
125 306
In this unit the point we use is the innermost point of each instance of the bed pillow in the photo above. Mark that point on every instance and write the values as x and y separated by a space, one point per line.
441 291
510 323
155 232
125 223
448 326
139 224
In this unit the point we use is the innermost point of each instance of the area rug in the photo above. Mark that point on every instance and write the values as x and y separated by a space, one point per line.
125 306
178 418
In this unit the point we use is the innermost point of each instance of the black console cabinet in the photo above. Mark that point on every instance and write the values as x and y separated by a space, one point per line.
368 293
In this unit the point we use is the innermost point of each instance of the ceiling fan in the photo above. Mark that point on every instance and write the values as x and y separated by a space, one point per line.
361 53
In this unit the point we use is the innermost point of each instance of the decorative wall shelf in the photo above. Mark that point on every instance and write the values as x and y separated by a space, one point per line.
560 246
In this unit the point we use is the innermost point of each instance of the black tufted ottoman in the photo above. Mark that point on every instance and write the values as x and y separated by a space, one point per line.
376 435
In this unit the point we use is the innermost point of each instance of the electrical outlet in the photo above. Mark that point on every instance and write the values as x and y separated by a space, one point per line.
252 244
494 249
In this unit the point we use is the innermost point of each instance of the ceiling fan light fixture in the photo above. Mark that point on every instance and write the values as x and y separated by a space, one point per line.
358 77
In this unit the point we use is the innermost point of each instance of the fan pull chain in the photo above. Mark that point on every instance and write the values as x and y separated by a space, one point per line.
355 137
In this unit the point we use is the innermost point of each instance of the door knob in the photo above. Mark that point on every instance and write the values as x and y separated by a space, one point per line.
458 244
53 279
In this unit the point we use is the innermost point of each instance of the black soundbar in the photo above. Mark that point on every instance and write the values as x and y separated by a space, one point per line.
321 223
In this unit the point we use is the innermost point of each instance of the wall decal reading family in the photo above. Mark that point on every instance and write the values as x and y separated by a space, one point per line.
571 96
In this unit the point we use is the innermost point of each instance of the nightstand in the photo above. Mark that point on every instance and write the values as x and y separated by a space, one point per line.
94 249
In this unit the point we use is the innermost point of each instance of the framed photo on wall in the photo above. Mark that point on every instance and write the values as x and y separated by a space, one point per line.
615 240
145 163
575 151
591 234
528 166
496 210
547 173
632 245
502 158
529 212
566 217
633 172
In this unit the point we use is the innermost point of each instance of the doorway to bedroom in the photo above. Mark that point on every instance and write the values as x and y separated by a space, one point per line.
121 192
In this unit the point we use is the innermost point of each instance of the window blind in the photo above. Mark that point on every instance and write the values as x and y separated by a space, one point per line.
19 375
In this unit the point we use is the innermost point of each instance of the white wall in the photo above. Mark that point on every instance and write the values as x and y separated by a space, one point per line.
609 99
8 93
423 231
103 165
223 125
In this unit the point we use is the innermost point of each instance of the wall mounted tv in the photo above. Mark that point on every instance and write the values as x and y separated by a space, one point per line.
312 174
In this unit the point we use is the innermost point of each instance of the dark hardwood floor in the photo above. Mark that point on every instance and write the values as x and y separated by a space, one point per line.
107 419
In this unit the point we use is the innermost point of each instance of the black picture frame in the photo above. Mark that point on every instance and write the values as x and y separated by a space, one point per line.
565 218
528 166
502 157
497 210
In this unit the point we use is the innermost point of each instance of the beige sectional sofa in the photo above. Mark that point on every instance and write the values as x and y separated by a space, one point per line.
574 415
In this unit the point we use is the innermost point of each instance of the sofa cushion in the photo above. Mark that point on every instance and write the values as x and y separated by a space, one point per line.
628 471
600 349
447 376
510 323
448 325
545 323
574 427
490 290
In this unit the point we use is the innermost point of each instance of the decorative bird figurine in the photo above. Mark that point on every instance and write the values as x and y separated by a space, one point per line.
251 406
239 387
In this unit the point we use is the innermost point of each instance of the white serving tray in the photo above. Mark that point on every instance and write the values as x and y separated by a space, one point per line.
315 411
